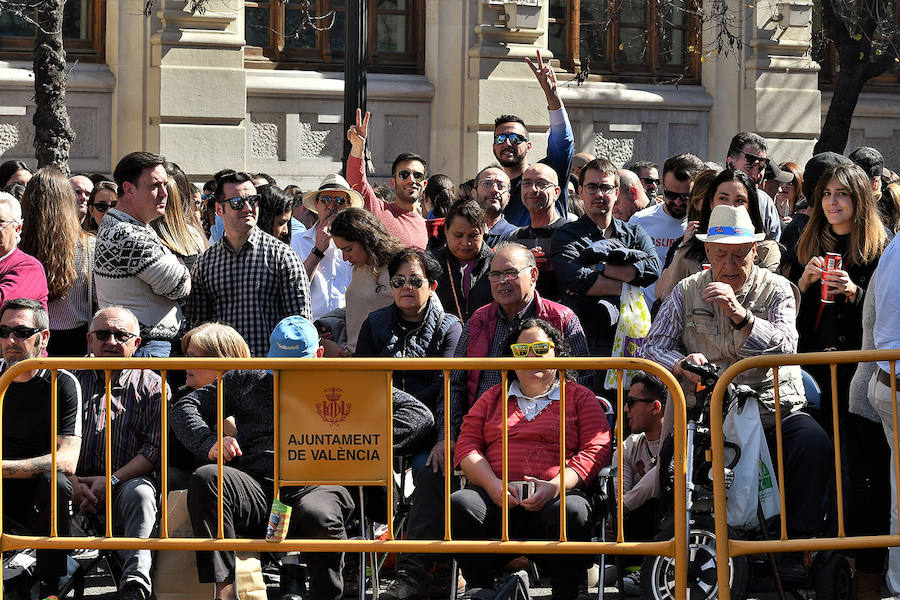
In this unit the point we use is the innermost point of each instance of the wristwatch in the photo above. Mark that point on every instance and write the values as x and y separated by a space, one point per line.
742 323
315 250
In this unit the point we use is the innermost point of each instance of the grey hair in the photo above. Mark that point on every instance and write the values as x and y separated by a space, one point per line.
129 316
529 256
14 205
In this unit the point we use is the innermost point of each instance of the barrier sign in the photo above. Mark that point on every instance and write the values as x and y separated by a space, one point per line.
337 432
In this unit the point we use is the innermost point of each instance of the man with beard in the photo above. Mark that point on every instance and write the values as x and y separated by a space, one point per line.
408 179
596 254
540 189
27 463
511 146
665 222
649 175
492 194
247 279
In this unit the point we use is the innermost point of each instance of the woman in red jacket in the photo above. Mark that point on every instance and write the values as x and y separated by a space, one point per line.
533 462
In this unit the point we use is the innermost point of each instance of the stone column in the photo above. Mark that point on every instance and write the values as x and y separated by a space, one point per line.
196 98
771 85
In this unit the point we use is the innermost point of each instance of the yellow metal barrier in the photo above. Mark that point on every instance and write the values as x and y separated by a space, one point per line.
674 548
727 548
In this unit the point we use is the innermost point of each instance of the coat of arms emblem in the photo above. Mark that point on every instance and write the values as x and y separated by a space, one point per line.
333 410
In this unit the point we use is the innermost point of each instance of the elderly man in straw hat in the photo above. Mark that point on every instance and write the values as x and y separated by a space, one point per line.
329 274
735 310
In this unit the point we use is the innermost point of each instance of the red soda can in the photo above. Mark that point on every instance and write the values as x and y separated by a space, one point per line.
832 263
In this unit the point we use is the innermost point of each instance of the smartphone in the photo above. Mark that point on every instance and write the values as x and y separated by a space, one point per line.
525 488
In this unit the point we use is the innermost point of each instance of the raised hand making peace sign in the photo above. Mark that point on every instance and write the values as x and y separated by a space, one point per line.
357 134
546 76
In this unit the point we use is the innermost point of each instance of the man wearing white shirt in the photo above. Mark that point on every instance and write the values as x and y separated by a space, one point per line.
329 274
666 221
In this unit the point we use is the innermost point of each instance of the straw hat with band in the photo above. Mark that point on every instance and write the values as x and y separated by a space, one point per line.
332 182
730 225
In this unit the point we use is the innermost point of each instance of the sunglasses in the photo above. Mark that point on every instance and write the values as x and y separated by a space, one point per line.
521 349
674 196
103 206
755 160
406 174
104 334
398 281
631 401
514 138
238 202
339 201
21 332
650 180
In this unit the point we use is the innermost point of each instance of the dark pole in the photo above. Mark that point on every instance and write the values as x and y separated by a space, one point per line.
355 66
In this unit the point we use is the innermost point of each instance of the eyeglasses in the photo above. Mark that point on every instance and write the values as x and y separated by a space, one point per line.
417 175
398 281
238 202
208 196
522 349
755 160
501 276
339 201
650 181
4 223
494 183
104 334
539 184
103 206
632 400
674 196
21 332
513 138
603 188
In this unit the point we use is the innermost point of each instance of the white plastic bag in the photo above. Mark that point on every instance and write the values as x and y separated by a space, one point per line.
754 475
633 326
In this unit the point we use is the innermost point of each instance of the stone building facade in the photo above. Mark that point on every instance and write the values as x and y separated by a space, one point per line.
190 86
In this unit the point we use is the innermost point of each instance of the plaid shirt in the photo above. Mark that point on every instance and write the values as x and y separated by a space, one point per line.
251 290
136 395
573 334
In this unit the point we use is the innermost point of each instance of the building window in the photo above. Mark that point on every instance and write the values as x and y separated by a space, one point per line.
83 32
627 40
310 33
825 53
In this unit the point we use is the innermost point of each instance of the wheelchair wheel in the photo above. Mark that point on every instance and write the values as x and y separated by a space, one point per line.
832 580
658 572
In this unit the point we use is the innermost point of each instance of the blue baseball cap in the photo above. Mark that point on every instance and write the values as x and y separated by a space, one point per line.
294 337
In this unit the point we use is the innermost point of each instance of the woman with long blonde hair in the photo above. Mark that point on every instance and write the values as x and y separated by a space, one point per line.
52 233
173 228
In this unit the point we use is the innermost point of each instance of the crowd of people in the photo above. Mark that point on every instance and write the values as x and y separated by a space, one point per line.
528 258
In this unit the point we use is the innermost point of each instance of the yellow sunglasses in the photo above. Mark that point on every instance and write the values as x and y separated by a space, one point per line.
539 348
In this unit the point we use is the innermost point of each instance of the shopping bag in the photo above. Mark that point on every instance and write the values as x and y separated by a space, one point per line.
175 575
754 474
631 330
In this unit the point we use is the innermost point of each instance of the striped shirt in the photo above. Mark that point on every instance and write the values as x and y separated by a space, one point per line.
136 395
252 290
78 306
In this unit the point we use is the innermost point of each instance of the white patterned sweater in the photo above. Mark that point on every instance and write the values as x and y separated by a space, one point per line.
134 269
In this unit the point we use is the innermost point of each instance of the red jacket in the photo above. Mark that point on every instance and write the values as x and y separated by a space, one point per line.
481 332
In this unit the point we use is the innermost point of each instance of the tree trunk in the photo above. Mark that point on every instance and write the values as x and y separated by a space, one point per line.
836 128
53 134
